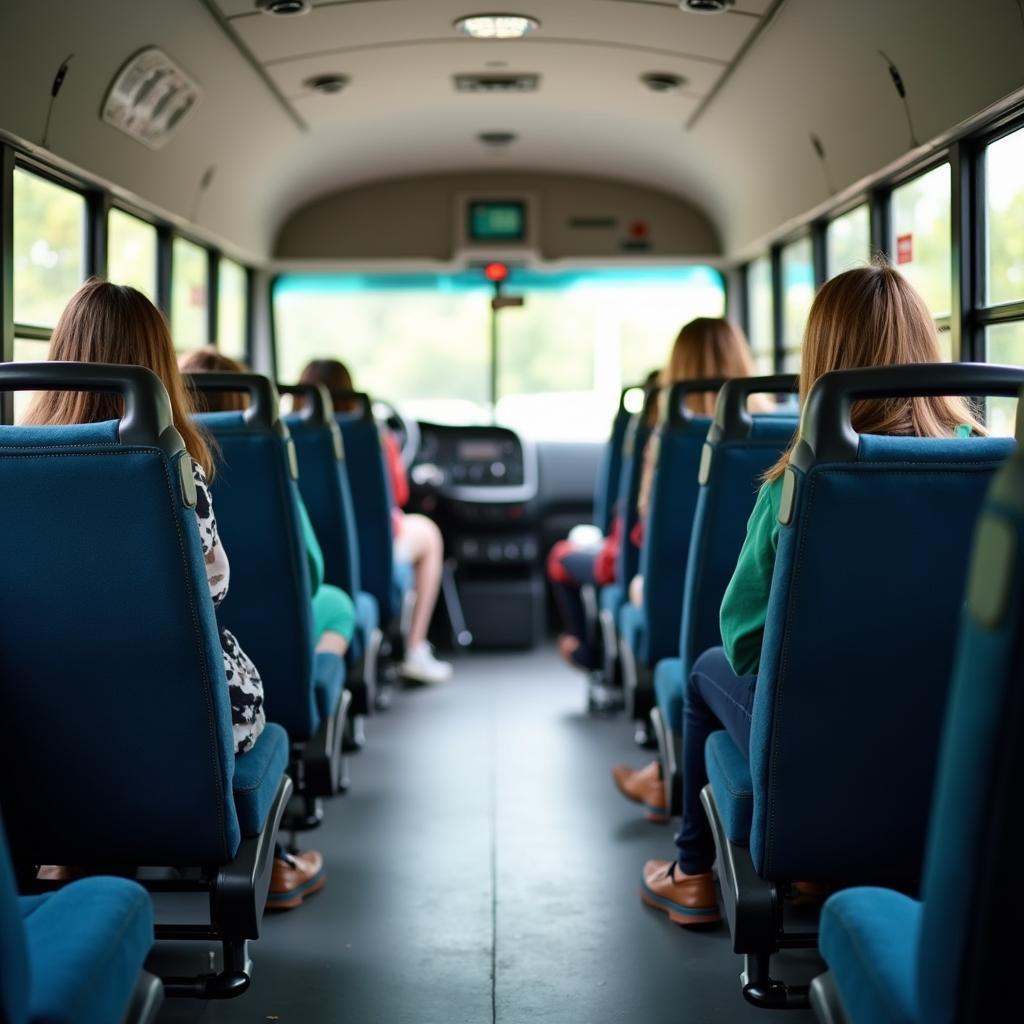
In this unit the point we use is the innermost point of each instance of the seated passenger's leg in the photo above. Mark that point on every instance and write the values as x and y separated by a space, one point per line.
421 541
643 786
569 568
716 698
334 619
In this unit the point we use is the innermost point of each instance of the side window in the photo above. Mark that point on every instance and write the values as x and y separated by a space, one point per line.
797 296
759 313
848 241
189 324
921 244
131 252
232 299
49 251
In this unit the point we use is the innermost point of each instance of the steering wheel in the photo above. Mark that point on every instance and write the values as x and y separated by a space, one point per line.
406 431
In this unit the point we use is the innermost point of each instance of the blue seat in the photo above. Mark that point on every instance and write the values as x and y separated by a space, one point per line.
738 449
853 671
134 695
324 484
606 488
954 956
257 774
256 499
372 501
75 956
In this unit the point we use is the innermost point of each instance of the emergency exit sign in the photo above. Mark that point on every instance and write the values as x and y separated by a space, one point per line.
905 249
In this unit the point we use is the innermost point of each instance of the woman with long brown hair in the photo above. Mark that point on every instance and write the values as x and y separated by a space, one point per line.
108 323
871 316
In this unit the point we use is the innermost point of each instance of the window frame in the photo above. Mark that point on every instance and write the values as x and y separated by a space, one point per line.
99 201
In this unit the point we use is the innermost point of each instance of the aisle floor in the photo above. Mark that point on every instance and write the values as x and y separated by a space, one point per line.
483 869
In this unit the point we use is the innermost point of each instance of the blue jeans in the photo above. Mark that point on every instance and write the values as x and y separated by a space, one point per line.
715 698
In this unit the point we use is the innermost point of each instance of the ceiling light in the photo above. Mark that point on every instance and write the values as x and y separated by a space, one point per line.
663 81
705 6
326 84
496 26
282 8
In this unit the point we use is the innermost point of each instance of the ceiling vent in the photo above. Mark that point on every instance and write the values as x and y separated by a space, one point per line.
706 6
663 81
497 83
283 8
326 85
497 139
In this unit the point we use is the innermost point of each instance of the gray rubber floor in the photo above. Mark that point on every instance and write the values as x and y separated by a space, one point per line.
483 869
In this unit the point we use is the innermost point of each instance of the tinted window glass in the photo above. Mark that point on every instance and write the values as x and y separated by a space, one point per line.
1004 344
231 309
797 296
759 313
848 241
921 242
188 295
131 252
1004 182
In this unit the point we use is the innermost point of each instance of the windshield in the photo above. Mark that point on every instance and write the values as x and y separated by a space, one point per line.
423 341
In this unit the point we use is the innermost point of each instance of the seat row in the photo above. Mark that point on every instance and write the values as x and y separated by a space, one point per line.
837 787
113 668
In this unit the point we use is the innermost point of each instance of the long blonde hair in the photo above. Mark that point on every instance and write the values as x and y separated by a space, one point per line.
707 347
873 316
109 323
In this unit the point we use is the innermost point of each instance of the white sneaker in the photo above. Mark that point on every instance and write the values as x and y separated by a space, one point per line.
421 665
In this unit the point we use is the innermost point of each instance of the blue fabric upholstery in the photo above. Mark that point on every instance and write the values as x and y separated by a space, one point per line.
86 946
366 473
100 550
632 627
668 689
367 613
666 544
330 681
628 563
268 608
257 777
869 938
724 505
611 598
607 487
729 775
854 672
15 991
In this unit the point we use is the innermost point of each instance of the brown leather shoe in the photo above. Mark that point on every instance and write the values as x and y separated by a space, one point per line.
687 899
643 786
296 876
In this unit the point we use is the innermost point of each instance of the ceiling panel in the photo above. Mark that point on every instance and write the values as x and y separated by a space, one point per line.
344 26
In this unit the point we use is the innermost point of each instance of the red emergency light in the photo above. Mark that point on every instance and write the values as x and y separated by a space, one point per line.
496 272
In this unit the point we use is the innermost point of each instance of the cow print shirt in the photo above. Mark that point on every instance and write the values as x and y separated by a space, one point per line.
244 684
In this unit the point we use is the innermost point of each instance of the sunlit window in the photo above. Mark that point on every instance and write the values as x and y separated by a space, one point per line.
921 240
797 296
231 309
189 323
848 241
131 252
1004 193
759 313
49 246
423 341
1004 343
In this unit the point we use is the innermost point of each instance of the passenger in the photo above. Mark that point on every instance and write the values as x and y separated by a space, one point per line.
417 538
866 317
334 614
106 323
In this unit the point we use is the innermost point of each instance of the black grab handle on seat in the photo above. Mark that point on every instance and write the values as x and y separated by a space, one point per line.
262 413
733 421
826 431
676 412
354 397
318 408
147 409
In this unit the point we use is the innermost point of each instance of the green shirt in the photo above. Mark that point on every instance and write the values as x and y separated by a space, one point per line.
745 604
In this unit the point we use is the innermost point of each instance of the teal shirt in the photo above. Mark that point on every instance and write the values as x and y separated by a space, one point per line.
745 604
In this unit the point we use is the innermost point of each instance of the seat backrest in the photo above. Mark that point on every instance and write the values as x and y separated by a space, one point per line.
14 965
115 738
972 875
323 482
671 506
638 433
256 501
738 450
858 643
606 488
370 496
